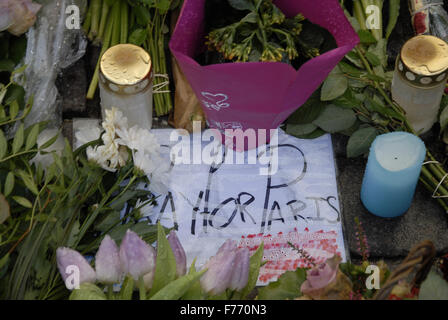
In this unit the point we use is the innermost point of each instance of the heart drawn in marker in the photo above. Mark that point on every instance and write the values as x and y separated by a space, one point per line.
215 101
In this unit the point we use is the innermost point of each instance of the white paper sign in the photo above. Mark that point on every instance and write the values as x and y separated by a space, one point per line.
299 204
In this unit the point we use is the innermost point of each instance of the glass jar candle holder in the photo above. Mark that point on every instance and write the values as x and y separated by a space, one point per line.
125 82
419 80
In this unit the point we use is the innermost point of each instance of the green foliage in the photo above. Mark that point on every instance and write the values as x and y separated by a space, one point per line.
360 141
165 271
286 287
263 34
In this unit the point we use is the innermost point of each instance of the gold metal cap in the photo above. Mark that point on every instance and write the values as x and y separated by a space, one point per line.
125 69
423 61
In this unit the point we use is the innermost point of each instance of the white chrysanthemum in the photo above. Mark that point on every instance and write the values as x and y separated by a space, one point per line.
143 162
97 155
130 137
86 134
115 118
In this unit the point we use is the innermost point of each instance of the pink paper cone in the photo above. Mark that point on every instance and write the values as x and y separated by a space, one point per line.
257 95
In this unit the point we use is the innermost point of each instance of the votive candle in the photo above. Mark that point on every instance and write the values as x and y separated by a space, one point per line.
392 173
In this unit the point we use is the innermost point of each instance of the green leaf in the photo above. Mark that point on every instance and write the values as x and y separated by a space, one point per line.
254 271
127 288
49 142
195 291
24 202
3 90
138 36
165 271
347 100
376 106
18 139
286 287
300 129
32 137
15 93
7 65
3 145
334 119
87 291
350 70
366 37
309 111
28 181
9 183
379 50
360 141
353 57
250 18
373 59
4 209
177 288
242 4
433 288
334 86
394 11
13 109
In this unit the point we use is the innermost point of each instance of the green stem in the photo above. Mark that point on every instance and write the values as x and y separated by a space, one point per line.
88 19
141 288
116 18
96 9
105 46
104 17
124 21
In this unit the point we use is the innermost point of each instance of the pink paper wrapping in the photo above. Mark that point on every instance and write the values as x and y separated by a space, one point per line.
257 95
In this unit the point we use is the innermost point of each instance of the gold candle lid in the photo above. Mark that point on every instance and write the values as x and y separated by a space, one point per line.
125 69
423 61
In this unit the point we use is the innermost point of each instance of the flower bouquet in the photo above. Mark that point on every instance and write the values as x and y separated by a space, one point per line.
257 95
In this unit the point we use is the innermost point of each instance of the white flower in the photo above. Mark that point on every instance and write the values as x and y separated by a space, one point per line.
115 118
47 159
86 134
130 137
140 139
143 162
97 155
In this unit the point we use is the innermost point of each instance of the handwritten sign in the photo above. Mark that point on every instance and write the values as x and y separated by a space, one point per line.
298 204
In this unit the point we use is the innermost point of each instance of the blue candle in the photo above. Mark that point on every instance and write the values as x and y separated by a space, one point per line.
392 173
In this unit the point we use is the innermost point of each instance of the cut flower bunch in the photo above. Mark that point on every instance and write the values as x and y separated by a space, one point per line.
263 33
161 274
51 196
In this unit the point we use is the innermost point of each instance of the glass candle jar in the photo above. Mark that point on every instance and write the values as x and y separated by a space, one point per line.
419 80
125 82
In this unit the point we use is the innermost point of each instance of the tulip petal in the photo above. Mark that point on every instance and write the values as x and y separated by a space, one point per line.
107 262
68 257
137 258
179 253
240 274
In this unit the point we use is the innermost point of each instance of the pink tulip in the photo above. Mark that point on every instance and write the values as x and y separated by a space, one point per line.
240 274
137 258
67 257
223 268
17 15
107 262
179 253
